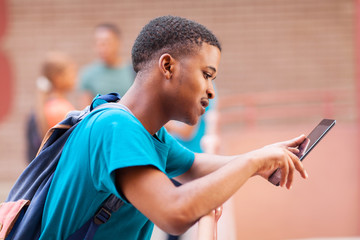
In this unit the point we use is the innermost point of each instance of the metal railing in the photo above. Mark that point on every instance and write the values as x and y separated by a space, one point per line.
207 229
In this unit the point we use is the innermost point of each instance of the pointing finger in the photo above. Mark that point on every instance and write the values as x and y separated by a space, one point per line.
295 141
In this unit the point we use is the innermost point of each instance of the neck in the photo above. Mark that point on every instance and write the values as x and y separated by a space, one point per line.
144 102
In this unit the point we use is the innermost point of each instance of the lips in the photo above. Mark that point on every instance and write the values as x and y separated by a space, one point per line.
204 102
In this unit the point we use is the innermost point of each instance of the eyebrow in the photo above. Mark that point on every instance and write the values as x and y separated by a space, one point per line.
212 68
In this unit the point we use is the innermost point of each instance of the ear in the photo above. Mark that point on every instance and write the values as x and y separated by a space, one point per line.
166 65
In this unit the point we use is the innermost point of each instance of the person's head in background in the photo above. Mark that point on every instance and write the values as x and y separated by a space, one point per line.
60 71
58 75
108 43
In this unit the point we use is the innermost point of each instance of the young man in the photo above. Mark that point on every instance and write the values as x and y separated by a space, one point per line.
128 152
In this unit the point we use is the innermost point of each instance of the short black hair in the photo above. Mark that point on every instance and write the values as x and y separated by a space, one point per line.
174 35
110 27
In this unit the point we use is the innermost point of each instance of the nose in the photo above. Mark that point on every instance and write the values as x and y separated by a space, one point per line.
210 90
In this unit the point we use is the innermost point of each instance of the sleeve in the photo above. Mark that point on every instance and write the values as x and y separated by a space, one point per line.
118 141
180 159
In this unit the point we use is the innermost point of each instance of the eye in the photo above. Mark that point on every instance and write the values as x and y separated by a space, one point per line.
207 75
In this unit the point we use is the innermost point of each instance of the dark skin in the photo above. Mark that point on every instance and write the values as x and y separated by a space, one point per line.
180 89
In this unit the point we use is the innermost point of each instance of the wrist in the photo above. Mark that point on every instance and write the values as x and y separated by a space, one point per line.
252 163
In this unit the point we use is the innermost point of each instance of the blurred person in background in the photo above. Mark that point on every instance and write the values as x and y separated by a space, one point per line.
108 73
58 78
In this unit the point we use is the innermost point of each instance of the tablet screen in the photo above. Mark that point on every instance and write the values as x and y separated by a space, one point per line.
314 137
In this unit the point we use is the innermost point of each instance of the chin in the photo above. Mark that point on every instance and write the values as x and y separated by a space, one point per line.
192 121
189 119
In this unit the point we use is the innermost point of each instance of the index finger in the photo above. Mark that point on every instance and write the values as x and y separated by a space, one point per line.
295 141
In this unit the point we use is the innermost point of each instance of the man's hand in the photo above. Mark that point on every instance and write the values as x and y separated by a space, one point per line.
280 155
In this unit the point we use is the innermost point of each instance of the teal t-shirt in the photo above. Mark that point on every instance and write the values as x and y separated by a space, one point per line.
106 140
98 78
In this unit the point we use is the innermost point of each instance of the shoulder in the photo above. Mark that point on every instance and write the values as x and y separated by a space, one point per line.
113 119
113 114
55 110
59 103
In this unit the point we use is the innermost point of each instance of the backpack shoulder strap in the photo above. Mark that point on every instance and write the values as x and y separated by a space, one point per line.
111 204
88 230
113 105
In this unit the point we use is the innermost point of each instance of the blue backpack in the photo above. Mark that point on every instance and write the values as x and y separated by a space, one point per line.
21 213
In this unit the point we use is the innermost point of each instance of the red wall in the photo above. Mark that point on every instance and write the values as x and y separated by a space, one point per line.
6 77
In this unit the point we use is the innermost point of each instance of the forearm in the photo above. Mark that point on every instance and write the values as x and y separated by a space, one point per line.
175 209
204 164
211 191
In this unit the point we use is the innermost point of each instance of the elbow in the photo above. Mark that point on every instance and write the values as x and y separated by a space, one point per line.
178 226
178 221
